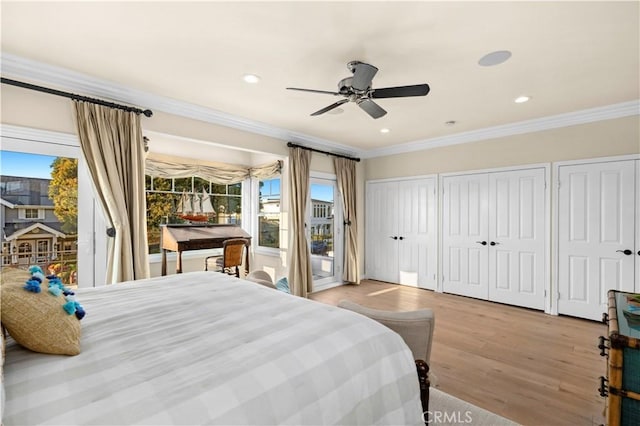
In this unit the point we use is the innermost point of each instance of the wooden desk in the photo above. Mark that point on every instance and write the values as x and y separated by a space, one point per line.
185 237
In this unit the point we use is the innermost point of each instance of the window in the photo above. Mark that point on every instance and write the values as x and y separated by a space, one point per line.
183 200
269 213
31 213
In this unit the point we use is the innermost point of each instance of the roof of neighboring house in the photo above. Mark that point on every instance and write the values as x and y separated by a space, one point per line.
25 192
14 230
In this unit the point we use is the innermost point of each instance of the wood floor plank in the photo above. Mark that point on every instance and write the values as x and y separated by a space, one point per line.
533 368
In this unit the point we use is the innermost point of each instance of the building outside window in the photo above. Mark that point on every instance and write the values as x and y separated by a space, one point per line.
185 200
269 213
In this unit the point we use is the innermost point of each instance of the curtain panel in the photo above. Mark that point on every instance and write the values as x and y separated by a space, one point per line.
346 179
222 174
300 277
113 147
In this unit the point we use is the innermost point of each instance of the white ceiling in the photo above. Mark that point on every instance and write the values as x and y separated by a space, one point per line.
567 56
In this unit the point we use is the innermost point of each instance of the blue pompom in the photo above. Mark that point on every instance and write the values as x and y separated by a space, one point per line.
55 280
32 286
35 268
37 276
70 307
55 290
50 277
80 312
67 292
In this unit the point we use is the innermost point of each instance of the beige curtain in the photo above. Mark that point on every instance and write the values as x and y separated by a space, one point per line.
112 144
300 278
346 177
224 174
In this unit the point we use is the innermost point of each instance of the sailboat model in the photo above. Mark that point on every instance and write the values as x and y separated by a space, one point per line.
195 208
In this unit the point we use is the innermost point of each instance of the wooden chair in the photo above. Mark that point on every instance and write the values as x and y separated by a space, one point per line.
233 251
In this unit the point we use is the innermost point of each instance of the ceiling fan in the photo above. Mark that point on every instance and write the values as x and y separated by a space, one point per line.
358 89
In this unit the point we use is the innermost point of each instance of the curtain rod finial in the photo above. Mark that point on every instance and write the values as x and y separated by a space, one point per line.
147 113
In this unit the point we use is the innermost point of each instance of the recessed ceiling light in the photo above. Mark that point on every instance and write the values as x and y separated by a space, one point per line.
494 58
385 130
521 99
251 78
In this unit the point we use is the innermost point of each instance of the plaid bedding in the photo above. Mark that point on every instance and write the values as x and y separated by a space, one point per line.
206 348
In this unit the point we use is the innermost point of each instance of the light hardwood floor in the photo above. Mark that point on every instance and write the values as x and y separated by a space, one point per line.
533 368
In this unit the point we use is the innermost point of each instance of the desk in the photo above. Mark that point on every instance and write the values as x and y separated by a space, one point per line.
185 237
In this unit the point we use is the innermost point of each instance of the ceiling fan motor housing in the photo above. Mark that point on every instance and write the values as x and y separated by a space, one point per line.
344 86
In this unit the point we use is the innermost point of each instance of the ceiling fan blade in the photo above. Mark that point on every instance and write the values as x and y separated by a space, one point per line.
330 107
313 91
363 75
401 91
371 108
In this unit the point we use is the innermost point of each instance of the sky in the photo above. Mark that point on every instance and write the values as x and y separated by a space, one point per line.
27 165
39 166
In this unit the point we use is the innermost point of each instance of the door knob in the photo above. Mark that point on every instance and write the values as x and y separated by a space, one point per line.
627 252
484 243
401 238
395 238
493 243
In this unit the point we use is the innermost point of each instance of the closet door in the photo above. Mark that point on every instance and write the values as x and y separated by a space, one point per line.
382 228
596 224
517 237
465 235
637 224
417 241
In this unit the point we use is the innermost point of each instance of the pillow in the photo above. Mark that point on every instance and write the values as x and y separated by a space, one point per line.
283 285
37 321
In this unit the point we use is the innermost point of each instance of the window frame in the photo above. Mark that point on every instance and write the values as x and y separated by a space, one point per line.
171 256
255 209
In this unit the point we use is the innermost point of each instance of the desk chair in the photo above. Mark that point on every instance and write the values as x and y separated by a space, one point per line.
233 251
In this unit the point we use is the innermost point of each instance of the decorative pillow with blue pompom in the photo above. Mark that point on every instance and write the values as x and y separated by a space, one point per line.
40 313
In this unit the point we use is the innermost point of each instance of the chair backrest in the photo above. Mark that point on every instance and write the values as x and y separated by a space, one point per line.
259 274
233 251
415 327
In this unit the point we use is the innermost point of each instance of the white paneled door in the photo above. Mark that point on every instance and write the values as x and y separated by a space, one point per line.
401 232
417 241
596 225
517 246
465 235
494 236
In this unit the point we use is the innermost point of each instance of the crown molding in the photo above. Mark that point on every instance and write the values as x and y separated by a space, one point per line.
38 135
17 67
624 109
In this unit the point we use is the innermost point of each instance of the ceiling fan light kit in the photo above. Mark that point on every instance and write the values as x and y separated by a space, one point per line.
358 89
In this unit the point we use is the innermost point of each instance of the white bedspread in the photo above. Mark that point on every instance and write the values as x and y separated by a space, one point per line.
203 348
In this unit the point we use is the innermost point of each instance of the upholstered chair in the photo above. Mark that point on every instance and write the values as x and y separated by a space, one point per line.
261 277
415 328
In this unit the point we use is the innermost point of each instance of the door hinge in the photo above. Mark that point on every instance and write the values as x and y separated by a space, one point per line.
545 294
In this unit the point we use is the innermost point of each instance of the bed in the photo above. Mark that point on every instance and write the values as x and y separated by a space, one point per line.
207 348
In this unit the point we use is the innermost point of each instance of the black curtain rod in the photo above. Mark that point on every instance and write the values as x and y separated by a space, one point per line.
146 112
293 145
